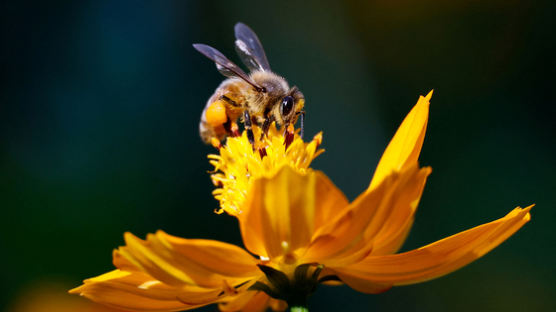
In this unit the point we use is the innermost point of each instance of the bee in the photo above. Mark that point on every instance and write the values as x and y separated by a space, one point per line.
260 97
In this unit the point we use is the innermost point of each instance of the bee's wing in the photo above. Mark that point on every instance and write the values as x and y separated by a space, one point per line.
250 49
223 64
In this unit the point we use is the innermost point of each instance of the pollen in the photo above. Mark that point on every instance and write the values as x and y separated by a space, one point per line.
216 113
239 162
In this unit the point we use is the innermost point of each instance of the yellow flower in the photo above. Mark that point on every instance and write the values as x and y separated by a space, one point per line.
303 231
238 163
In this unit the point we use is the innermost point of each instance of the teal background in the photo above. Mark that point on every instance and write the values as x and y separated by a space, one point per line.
100 104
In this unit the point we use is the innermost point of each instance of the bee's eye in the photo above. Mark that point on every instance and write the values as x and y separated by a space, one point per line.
287 105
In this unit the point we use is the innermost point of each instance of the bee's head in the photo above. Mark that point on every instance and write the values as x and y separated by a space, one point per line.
285 103
290 107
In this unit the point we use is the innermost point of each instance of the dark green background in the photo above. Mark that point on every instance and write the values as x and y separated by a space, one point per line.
100 104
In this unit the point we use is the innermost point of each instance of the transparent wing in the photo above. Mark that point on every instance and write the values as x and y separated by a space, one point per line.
250 49
223 64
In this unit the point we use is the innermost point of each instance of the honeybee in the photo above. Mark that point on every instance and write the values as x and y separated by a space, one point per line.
260 98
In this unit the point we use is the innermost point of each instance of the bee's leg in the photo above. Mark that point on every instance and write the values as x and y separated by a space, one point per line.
289 134
265 126
248 127
227 126
231 128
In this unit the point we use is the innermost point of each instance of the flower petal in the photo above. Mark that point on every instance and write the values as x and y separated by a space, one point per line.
330 201
218 257
434 260
139 292
176 261
122 263
250 301
404 148
286 218
352 236
395 228
279 213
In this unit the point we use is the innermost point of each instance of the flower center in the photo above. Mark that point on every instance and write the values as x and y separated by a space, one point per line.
239 162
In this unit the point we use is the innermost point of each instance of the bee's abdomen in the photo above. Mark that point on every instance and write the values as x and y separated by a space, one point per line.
208 132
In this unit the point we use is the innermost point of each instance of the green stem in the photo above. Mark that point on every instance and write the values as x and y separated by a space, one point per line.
299 309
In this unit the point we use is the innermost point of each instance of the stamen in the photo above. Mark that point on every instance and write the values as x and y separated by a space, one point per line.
239 162
318 139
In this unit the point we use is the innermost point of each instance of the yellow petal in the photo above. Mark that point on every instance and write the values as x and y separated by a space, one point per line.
179 262
353 233
404 148
279 213
295 206
347 228
330 201
218 257
250 301
363 285
401 212
122 263
434 260
137 291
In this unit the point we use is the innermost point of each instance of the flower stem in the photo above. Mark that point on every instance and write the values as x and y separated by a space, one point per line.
299 309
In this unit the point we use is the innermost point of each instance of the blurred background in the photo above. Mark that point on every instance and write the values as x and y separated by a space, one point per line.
100 104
